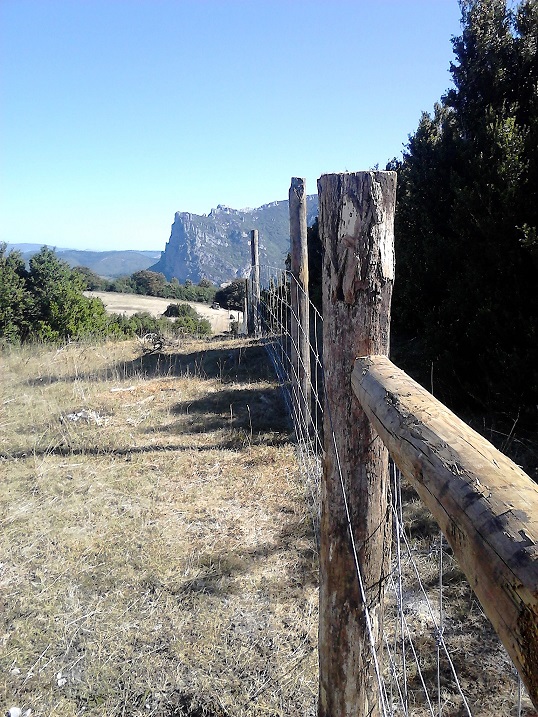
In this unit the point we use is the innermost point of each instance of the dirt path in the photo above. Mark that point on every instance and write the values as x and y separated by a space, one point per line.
130 304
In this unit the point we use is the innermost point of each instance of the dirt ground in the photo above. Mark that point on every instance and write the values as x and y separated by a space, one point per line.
130 304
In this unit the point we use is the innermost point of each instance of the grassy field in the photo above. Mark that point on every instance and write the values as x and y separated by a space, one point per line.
156 555
130 304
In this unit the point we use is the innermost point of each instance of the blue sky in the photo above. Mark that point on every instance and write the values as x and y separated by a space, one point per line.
115 114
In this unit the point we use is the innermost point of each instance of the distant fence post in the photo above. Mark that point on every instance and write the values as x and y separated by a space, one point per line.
356 228
249 306
245 308
254 293
300 316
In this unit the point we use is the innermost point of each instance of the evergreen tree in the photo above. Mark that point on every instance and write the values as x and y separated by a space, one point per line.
61 310
231 297
16 303
149 283
91 280
465 298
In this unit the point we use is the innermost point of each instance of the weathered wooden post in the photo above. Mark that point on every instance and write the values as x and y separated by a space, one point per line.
300 315
246 307
254 307
356 227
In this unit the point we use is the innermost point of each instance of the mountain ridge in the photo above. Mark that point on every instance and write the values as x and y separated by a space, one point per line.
216 246
107 264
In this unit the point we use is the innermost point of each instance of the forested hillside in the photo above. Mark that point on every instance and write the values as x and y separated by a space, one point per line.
465 306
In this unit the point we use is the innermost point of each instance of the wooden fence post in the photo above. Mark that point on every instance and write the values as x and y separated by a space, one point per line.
245 309
356 227
300 314
254 308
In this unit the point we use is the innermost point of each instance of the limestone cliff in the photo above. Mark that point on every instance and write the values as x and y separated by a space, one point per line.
217 246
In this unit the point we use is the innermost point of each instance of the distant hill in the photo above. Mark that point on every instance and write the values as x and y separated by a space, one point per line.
25 248
216 246
108 264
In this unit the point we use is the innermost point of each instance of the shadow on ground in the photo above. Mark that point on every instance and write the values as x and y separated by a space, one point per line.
245 413
242 364
216 571
254 410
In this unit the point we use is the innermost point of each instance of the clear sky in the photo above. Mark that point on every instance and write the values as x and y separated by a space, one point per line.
115 114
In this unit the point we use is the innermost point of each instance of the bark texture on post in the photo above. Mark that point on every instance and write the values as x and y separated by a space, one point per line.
486 506
245 309
250 307
357 231
300 314
255 283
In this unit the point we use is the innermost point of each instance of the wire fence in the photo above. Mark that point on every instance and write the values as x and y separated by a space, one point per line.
423 643
276 319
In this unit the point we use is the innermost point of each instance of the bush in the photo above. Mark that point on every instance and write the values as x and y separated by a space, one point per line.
175 310
143 323
91 280
232 297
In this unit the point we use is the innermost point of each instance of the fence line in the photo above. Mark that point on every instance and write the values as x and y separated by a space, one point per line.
394 693
276 316
276 313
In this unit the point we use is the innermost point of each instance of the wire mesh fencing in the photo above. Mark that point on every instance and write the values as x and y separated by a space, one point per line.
303 394
430 663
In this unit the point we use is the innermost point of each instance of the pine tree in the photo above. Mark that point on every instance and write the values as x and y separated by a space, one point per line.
466 218
61 310
15 301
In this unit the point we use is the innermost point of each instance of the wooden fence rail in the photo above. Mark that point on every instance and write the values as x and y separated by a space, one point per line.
486 506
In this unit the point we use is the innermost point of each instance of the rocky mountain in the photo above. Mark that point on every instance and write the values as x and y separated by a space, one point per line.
216 246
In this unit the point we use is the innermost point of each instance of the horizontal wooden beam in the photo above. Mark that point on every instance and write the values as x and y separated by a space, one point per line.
486 506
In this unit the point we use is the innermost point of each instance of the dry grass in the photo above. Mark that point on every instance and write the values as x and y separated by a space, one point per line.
129 304
156 555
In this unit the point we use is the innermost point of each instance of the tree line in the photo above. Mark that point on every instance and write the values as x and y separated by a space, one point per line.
149 283
465 302
45 302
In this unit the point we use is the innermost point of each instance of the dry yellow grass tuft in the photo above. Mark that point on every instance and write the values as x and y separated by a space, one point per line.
156 555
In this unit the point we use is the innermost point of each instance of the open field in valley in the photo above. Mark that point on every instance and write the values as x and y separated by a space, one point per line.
130 304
